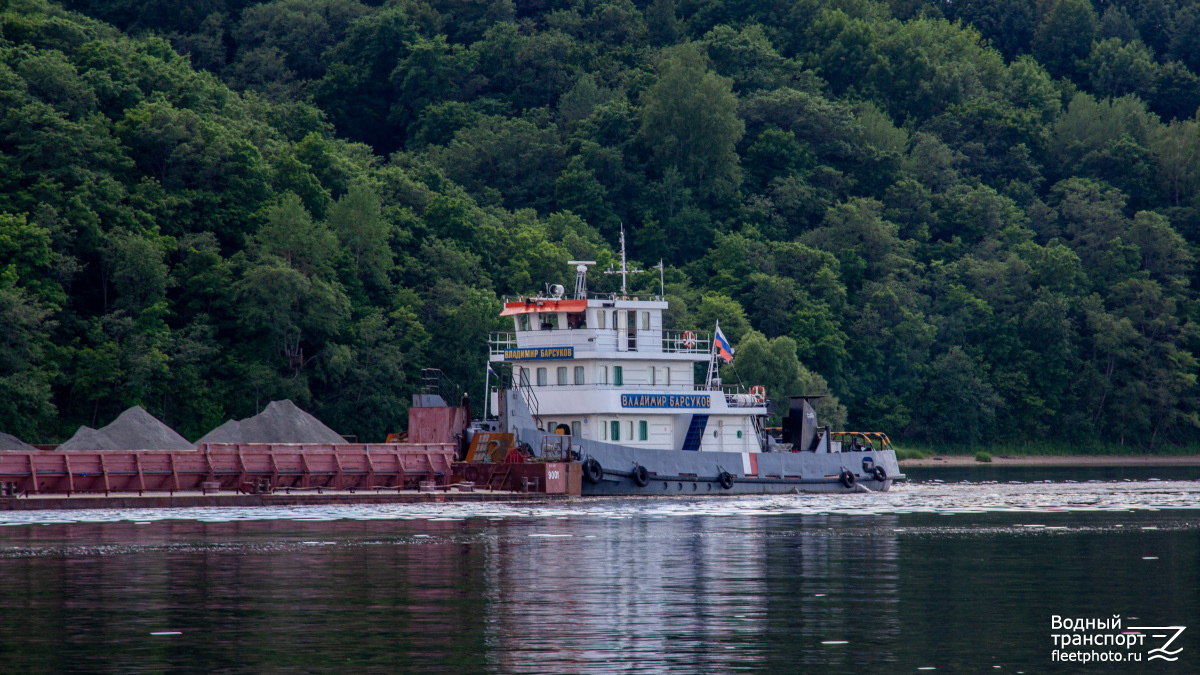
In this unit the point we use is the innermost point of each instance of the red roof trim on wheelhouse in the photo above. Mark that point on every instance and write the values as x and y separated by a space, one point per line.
543 305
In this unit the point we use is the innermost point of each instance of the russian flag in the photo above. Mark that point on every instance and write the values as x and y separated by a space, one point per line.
724 349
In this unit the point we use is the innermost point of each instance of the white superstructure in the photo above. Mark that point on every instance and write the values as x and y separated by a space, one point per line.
604 367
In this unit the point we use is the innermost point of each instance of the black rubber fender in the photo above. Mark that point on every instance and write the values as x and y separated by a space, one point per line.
725 479
640 476
879 473
592 471
847 479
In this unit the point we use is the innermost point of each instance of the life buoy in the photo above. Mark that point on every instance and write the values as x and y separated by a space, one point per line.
689 339
592 471
759 393
880 474
847 479
640 476
725 479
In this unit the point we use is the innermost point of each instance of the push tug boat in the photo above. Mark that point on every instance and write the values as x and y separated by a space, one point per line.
595 378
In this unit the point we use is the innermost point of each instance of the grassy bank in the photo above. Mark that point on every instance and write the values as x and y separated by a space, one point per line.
1042 449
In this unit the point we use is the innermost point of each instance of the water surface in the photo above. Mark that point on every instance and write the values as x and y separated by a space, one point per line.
962 577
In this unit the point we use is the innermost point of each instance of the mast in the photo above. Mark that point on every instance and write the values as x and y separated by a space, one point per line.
624 271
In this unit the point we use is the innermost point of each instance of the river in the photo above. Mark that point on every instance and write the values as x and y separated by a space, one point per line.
962 576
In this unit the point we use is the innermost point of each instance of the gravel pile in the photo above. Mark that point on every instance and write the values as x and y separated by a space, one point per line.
134 429
281 422
10 442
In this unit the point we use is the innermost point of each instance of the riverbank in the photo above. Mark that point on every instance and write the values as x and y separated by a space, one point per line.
1055 460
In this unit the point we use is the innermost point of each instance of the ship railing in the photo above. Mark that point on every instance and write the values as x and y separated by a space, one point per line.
521 384
434 381
499 341
558 447
590 295
869 440
686 342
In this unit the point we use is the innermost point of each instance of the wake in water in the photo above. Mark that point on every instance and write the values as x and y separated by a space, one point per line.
927 497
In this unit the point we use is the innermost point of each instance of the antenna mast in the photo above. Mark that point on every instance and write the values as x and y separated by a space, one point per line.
624 271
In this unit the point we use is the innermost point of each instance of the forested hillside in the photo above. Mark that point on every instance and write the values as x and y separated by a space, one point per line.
969 221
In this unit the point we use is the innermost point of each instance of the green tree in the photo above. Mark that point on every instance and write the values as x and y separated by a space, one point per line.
358 222
689 121
960 405
1065 36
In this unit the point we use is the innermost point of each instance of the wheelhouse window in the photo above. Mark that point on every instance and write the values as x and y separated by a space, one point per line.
576 320
522 322
562 376
541 377
618 376
579 378
550 321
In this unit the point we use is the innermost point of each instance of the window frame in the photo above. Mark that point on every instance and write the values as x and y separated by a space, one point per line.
580 375
543 377
618 376
561 374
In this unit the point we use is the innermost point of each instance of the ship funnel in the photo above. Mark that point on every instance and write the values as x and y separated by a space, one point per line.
800 425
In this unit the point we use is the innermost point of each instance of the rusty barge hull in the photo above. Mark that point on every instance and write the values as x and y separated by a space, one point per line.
156 500
244 467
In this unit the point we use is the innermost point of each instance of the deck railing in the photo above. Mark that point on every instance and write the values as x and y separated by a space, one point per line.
687 342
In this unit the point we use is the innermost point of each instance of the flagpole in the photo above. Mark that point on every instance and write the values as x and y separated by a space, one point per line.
712 356
487 374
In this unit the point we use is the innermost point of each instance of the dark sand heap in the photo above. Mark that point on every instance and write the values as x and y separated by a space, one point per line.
281 422
134 429
10 442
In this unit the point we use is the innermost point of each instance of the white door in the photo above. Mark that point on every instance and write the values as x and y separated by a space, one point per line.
622 330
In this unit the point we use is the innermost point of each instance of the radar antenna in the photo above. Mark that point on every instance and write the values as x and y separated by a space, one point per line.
581 277
624 271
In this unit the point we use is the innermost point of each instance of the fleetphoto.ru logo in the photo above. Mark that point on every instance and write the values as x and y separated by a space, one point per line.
1106 641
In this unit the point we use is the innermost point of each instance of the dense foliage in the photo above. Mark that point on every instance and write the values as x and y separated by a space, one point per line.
969 221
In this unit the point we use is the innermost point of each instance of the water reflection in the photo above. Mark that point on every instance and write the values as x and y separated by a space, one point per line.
639 586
